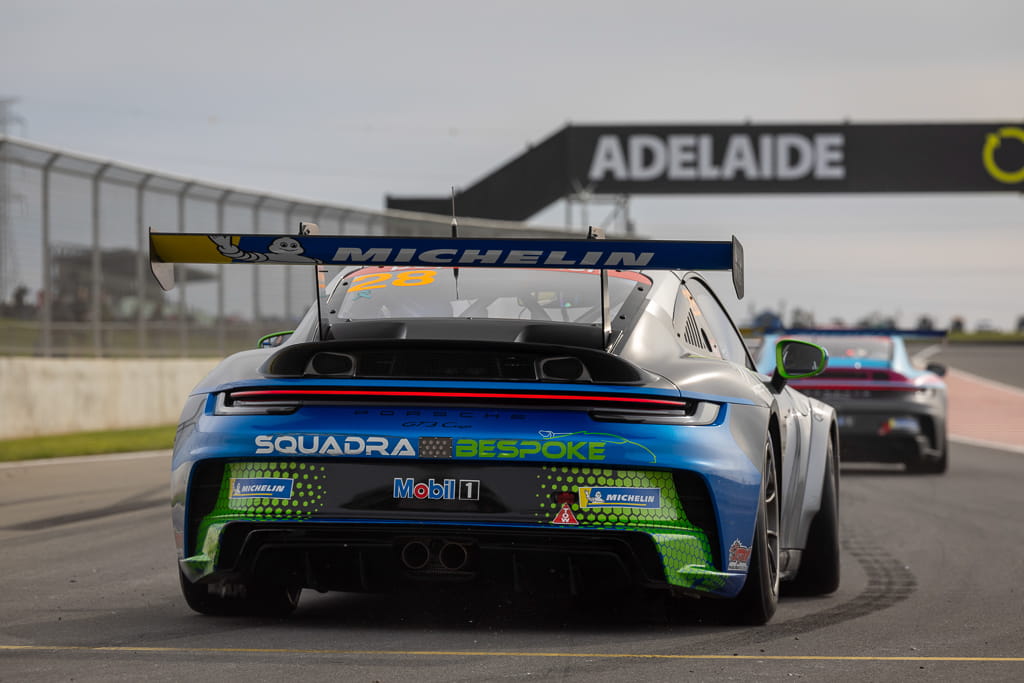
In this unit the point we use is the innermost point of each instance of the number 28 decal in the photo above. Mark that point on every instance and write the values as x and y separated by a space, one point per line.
404 278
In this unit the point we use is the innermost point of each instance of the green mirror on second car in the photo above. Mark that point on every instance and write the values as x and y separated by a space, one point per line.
796 359
269 341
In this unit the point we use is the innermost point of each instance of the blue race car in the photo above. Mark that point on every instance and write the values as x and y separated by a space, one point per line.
888 409
574 415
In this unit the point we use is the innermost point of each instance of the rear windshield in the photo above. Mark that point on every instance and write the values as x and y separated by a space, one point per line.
519 294
853 347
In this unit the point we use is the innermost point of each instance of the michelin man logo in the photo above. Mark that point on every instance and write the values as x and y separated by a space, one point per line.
281 250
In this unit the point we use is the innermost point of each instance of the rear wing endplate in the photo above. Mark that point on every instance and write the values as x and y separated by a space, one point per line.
463 252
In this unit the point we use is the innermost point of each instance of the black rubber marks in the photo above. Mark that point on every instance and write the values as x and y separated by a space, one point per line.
889 581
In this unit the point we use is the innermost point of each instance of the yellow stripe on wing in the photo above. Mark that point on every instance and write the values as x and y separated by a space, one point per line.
185 248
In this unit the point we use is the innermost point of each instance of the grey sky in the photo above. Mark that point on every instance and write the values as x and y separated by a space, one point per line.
349 101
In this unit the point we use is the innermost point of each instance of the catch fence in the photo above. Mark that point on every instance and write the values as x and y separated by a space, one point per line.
74 270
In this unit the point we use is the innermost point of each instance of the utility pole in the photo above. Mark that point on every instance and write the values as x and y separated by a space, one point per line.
7 261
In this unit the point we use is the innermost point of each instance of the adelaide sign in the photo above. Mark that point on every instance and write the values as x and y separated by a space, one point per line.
782 158
822 158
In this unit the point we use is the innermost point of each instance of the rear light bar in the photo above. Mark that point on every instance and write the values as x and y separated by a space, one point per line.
857 381
282 396
852 386
603 408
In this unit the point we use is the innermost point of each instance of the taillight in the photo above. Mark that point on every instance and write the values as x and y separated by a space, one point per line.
698 414
227 405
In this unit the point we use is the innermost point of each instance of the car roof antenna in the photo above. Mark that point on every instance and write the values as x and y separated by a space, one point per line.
455 222
320 283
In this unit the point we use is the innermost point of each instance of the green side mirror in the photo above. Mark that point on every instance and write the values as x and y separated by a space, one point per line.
796 359
269 341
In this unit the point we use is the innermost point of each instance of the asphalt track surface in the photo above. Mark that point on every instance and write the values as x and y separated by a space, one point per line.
932 590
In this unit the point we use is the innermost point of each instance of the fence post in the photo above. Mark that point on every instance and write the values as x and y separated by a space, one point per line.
221 321
182 276
46 308
96 317
141 263
257 311
288 274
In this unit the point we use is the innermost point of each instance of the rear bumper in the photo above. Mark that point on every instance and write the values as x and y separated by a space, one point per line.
373 556
877 430
894 449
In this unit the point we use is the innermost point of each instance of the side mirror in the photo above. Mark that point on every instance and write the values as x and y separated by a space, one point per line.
796 359
269 341
938 368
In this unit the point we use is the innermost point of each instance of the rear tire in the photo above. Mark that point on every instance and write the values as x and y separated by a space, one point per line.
241 599
759 597
819 565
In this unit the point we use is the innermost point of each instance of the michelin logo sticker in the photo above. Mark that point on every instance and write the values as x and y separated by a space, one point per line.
619 497
280 489
280 250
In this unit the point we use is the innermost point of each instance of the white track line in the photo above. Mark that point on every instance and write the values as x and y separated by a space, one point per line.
922 356
989 382
981 443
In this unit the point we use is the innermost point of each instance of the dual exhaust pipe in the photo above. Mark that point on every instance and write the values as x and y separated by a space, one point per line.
435 554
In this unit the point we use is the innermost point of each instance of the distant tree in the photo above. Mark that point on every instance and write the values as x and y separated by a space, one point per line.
925 323
876 320
956 324
802 318
767 320
1020 325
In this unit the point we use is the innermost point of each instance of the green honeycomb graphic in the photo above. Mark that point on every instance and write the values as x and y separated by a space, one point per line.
307 491
555 479
687 561
307 499
684 548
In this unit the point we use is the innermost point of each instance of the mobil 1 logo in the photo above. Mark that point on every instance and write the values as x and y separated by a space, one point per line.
432 489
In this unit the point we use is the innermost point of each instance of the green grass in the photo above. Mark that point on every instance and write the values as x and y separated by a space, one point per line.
987 337
87 443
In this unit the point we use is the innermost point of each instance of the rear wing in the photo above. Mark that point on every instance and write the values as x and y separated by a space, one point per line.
312 249
462 252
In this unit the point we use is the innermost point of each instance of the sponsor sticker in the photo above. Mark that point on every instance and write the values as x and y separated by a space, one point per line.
332 444
739 556
261 488
565 516
446 489
619 497
521 448
905 425
435 446
993 141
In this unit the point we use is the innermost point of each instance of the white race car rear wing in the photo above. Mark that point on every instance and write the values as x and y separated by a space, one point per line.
463 252
310 248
